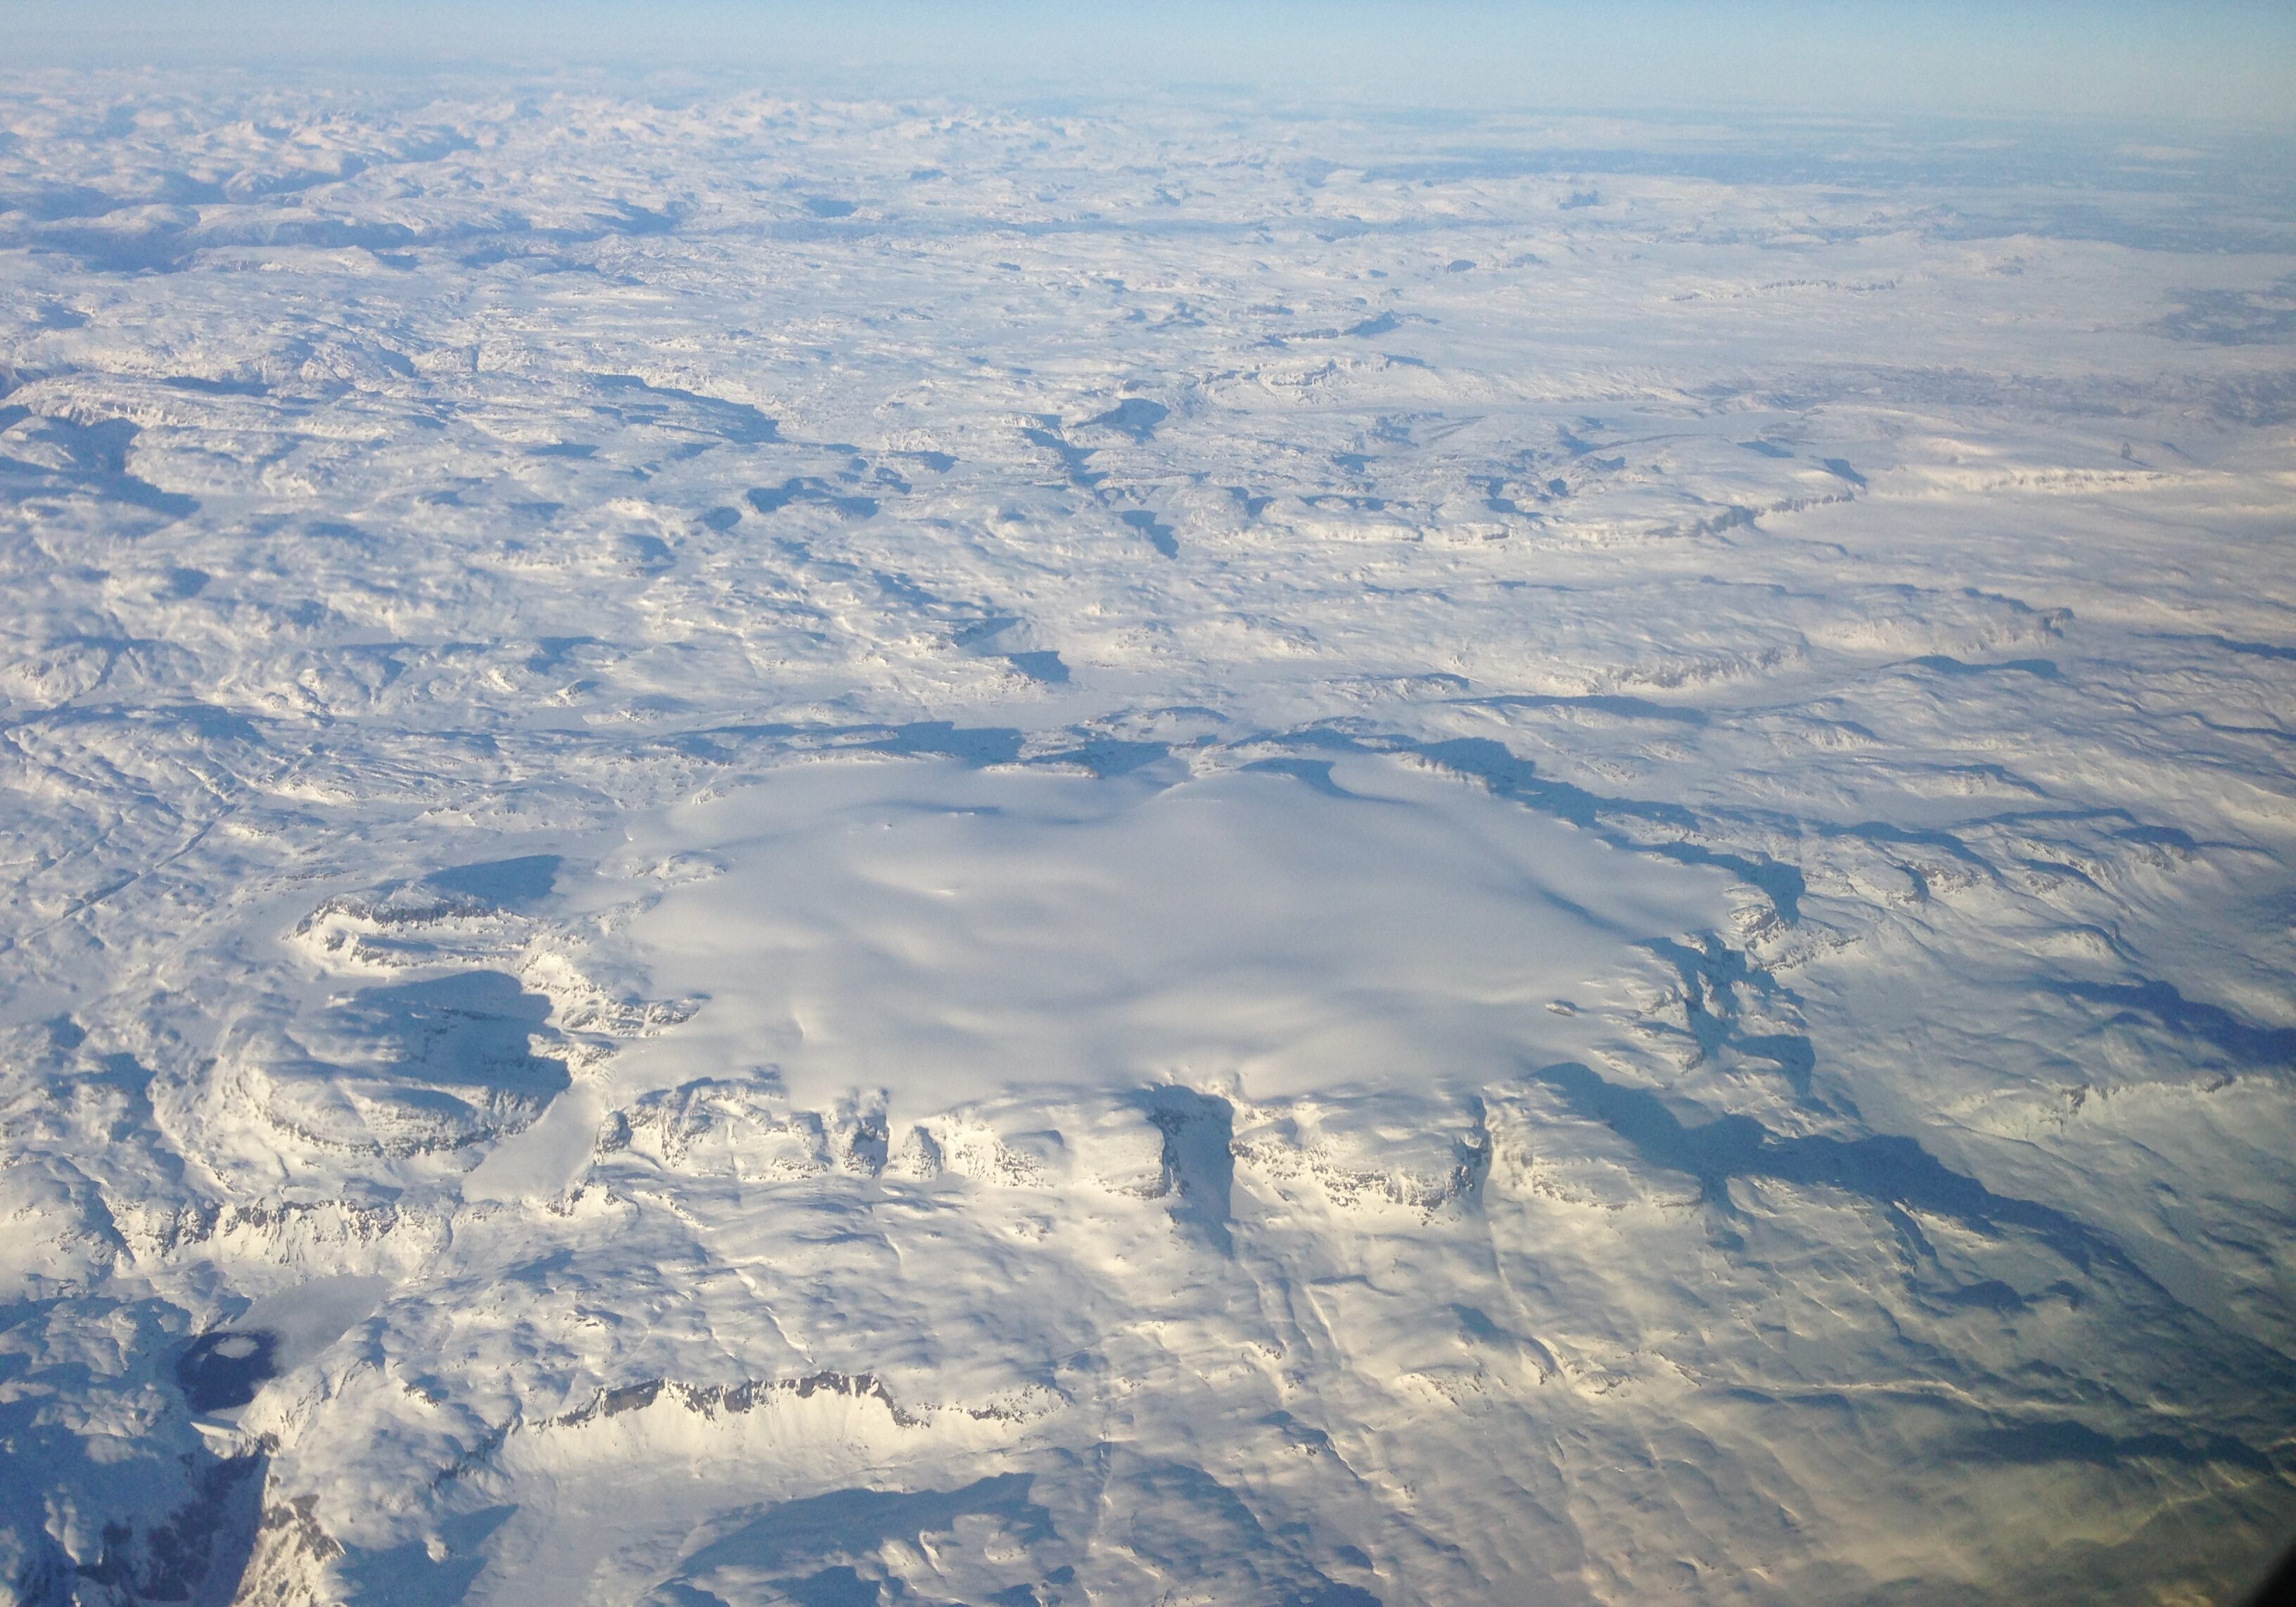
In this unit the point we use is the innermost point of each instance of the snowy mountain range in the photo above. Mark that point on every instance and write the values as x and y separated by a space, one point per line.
777 851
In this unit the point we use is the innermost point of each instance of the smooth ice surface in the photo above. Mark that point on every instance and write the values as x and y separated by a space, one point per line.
944 935
305 1320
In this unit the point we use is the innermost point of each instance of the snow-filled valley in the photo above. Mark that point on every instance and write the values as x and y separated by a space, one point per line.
798 851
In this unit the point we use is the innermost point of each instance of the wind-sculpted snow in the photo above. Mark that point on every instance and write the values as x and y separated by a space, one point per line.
765 851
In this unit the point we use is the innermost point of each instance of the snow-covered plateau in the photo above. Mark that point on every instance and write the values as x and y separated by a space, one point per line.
762 851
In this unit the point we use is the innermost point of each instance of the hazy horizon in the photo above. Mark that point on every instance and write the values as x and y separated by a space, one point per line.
2146 61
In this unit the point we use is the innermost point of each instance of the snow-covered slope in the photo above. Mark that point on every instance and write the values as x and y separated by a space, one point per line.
770 851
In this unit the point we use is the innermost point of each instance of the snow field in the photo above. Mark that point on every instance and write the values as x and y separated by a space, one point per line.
846 853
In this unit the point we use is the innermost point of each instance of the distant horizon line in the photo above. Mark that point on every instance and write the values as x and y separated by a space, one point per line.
2208 64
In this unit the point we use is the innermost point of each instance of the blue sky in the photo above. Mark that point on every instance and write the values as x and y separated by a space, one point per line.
2206 59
